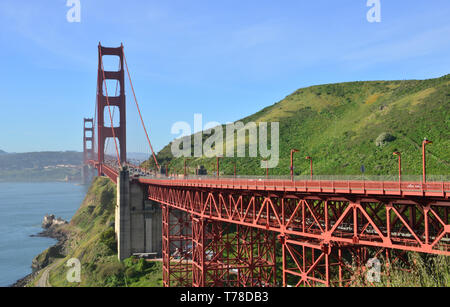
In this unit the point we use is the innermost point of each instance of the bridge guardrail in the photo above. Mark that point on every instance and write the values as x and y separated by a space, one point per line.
375 185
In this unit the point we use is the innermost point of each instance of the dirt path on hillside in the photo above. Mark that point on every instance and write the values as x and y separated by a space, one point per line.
43 281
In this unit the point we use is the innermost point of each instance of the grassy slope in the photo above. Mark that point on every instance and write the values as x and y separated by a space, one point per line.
92 241
338 125
421 271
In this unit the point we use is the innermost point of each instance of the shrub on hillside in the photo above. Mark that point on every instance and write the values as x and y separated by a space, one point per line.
108 238
384 138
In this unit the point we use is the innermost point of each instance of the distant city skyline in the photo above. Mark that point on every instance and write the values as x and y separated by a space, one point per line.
225 60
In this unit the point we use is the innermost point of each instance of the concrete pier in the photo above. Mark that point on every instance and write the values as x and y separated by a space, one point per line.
138 222
122 218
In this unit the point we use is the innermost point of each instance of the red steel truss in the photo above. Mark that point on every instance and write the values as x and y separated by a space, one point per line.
228 255
176 248
324 237
405 224
307 264
257 252
206 253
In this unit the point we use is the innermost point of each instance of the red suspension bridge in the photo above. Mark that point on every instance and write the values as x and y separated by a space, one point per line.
229 231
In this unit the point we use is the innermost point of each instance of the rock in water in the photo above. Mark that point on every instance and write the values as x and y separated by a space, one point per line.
50 221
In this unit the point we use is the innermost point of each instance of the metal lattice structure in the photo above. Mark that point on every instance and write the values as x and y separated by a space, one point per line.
229 232
316 229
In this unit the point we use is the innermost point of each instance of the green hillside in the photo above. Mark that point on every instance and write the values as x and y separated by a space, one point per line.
344 126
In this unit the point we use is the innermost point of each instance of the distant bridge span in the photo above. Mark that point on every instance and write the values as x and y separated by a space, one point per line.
226 231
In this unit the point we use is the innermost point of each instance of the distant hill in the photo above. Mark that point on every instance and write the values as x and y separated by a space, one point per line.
2 152
40 166
346 125
137 156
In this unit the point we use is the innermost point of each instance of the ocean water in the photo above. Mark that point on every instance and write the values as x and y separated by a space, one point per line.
22 208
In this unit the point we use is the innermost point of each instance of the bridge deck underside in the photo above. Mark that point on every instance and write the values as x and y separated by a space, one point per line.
417 225
323 234
317 232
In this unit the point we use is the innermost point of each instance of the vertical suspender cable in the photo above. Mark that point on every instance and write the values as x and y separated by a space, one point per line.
139 111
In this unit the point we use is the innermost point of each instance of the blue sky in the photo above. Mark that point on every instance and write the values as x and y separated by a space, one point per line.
224 59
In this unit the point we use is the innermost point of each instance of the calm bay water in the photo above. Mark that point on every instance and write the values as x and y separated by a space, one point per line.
22 208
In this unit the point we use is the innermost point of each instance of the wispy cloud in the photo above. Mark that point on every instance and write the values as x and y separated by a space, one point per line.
36 24
421 44
256 35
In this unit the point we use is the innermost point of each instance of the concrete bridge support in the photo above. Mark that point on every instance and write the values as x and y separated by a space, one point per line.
138 222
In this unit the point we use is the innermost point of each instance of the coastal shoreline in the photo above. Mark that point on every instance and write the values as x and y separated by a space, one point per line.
56 233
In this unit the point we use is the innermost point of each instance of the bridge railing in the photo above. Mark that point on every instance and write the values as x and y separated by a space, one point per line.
436 185
438 189
387 178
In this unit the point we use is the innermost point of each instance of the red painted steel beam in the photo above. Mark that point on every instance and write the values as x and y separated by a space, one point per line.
354 221
176 248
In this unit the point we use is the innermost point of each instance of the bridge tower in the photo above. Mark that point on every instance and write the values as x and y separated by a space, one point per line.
88 139
104 100
88 148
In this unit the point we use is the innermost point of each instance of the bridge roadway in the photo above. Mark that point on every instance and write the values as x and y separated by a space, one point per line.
436 191
419 213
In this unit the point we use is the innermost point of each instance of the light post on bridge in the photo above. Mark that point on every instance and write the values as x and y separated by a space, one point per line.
267 168
167 169
311 165
397 153
218 166
292 162
424 162
185 170
157 169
